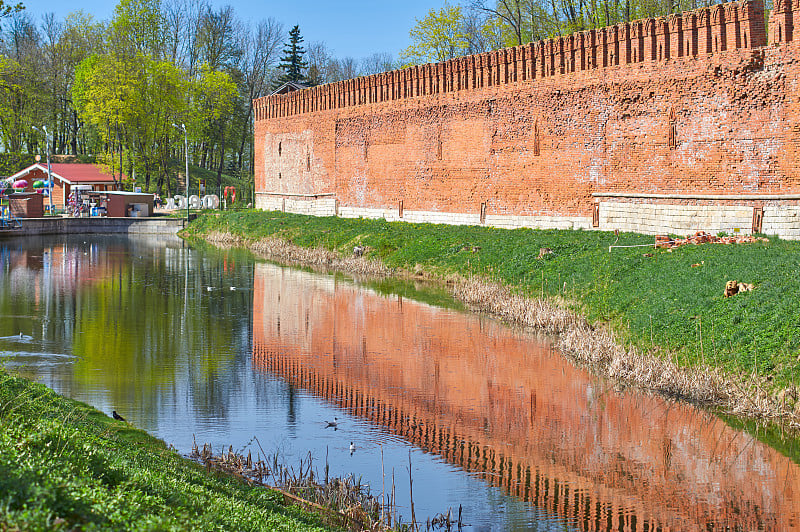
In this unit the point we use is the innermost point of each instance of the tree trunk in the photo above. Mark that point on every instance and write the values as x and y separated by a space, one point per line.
221 157
74 140
245 136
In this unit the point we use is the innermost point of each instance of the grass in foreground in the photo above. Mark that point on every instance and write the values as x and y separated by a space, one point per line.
659 303
64 465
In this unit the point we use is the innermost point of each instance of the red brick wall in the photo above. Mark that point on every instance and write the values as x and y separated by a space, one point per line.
692 103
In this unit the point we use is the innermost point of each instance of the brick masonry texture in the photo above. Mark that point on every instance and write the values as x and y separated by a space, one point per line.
692 104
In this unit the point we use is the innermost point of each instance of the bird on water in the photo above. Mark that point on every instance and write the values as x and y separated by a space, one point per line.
334 423
352 448
117 416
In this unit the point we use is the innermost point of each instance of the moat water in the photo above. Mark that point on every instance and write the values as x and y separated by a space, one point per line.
214 346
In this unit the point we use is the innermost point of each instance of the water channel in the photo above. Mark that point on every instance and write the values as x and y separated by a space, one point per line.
215 346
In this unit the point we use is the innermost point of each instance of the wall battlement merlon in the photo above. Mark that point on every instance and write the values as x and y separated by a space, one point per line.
709 30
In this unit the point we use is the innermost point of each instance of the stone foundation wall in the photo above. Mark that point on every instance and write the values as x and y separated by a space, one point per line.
675 219
771 215
322 206
783 221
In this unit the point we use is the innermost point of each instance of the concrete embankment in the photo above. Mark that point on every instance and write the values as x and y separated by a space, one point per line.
96 225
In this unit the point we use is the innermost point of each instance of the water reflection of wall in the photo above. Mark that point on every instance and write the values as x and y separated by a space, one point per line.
497 403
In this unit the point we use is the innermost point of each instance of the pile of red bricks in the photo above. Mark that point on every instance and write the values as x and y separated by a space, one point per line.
701 237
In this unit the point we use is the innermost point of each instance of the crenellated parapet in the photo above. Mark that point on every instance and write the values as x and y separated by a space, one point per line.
709 30
781 21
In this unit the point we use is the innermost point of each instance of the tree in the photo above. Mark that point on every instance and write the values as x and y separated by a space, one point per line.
522 21
113 89
437 37
22 93
292 61
8 10
218 41
183 24
259 52
482 31
377 63
102 92
319 61
214 99
80 37
11 76
137 28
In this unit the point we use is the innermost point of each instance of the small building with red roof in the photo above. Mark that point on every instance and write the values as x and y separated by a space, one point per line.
66 176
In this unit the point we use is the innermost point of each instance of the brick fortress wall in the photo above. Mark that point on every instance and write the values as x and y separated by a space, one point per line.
672 124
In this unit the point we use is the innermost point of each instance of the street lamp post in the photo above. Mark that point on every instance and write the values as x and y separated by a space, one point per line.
186 156
49 171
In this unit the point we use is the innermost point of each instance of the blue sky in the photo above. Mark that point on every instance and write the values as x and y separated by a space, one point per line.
356 28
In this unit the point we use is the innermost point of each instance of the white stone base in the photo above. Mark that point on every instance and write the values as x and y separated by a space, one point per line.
782 221
651 219
646 218
325 206
459 218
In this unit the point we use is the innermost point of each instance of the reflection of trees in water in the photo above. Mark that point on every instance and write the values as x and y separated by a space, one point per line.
136 313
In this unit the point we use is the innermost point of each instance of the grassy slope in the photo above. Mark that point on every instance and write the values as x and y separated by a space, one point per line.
659 303
64 465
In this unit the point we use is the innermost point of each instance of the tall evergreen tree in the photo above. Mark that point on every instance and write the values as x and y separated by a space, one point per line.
292 61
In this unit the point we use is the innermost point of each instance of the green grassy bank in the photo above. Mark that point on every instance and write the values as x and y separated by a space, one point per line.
66 466
668 303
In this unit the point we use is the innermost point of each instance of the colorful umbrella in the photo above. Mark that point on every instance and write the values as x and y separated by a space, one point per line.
39 184
20 183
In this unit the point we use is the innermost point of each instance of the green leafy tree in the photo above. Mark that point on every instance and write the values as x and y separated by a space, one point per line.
214 97
161 99
292 61
10 91
132 103
80 37
437 37
137 28
102 93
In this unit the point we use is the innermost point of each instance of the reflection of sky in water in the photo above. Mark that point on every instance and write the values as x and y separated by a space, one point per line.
130 325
